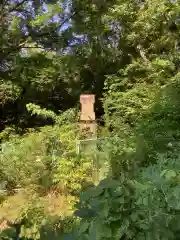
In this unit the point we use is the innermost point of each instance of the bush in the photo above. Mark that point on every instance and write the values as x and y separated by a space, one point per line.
35 169
146 207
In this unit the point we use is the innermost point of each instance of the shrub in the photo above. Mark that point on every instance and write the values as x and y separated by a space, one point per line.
146 207
43 163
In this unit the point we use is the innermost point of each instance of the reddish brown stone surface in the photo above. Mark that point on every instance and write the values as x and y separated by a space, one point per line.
3 225
87 107
87 117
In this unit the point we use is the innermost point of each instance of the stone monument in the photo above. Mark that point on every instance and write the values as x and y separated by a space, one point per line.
87 118
88 125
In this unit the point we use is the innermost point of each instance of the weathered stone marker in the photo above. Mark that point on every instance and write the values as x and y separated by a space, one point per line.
88 125
87 117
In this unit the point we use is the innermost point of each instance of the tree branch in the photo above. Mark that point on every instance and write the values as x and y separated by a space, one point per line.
58 27
4 53
23 11
10 50
17 6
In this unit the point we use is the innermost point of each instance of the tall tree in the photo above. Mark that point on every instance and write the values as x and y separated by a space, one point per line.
30 35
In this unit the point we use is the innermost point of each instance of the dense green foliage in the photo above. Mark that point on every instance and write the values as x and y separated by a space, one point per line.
127 53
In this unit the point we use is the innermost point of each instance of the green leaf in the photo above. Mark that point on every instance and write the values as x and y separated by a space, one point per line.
134 216
145 201
83 227
170 174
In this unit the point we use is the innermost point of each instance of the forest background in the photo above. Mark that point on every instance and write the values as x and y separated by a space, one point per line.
127 53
